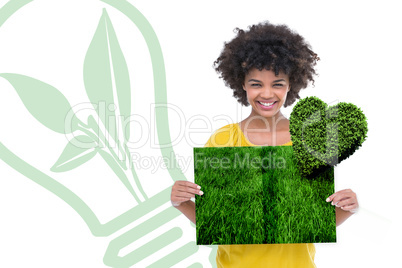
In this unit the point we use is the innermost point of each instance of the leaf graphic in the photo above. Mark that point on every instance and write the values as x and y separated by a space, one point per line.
105 71
47 104
119 172
73 156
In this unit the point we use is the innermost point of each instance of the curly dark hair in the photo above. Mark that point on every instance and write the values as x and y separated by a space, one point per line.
273 47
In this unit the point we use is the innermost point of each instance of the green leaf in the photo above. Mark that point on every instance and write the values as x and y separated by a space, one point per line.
47 104
105 71
73 155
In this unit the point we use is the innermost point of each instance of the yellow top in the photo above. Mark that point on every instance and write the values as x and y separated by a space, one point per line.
262 255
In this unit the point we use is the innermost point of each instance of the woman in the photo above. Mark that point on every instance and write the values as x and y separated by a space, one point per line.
266 66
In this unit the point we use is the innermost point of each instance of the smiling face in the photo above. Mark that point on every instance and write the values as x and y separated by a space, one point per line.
266 92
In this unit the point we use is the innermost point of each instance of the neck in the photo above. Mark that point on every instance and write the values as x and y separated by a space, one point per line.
255 121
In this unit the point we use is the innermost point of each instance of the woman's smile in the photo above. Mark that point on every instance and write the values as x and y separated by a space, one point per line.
267 105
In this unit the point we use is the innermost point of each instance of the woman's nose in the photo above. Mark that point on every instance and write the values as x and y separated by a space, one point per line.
267 92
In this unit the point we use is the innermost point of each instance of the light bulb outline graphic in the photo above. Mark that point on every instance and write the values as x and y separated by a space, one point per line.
161 116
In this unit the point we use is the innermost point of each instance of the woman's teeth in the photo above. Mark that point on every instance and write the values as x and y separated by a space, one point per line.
266 103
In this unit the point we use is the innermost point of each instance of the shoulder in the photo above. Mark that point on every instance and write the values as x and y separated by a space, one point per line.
288 144
283 130
224 136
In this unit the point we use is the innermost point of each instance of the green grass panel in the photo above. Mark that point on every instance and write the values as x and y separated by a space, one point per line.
256 195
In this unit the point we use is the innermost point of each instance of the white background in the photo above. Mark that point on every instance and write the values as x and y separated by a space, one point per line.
359 45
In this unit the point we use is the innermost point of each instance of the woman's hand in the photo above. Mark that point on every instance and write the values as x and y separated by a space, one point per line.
345 200
183 191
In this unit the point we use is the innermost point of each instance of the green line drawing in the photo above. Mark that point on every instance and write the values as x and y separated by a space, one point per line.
105 76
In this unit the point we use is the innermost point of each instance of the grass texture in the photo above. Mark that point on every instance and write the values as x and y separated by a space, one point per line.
256 195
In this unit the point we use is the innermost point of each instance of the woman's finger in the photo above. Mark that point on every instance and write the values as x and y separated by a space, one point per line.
351 208
189 190
188 184
338 194
184 195
341 195
345 202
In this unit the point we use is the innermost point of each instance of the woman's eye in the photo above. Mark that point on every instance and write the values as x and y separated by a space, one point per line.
278 85
255 85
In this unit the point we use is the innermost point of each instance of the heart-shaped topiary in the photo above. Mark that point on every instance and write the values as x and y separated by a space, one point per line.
323 136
